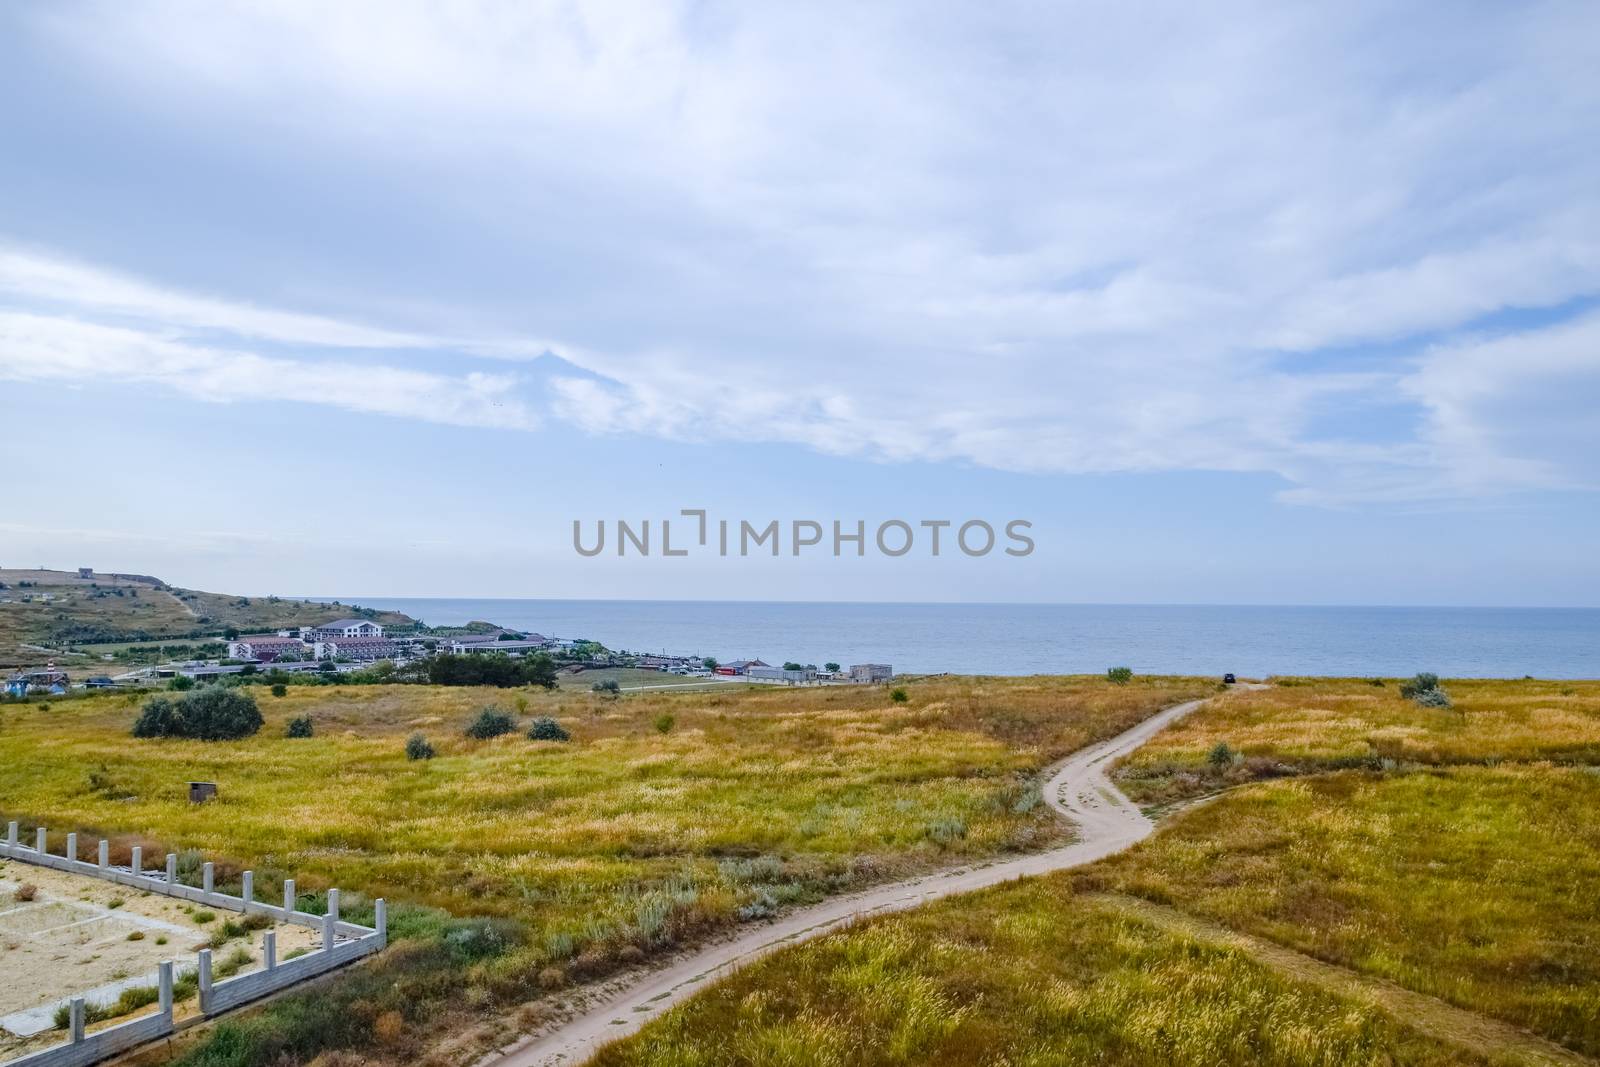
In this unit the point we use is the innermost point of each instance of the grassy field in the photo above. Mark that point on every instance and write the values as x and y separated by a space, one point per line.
1475 885
1442 850
667 816
1025 974
106 609
1309 726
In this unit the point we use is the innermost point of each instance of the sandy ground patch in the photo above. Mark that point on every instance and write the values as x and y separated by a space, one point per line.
80 936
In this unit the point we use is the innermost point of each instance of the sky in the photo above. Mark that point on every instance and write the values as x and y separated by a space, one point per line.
1233 303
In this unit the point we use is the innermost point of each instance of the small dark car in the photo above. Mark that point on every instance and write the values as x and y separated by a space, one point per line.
1228 679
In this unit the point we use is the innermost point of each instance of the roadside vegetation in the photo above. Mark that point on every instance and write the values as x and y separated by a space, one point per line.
662 818
1476 885
1451 851
1026 973
1306 726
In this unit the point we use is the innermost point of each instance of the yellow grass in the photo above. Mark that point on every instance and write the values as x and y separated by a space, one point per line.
753 800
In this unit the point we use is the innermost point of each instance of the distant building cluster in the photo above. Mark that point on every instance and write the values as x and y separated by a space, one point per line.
350 640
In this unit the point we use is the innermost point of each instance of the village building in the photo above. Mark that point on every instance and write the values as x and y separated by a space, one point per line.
871 672
356 649
265 648
345 628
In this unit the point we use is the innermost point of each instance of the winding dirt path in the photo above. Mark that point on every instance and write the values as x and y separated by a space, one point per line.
1079 789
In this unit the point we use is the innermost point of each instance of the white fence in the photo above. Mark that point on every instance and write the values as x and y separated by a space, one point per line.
342 943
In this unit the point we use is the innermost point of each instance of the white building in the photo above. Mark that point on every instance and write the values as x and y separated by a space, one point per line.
871 672
346 628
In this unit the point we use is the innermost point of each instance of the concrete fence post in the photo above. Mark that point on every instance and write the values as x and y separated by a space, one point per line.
172 868
11 833
72 847
289 898
247 890
39 841
205 981
75 1019
105 854
333 904
327 933
380 920
208 878
137 864
164 985
269 949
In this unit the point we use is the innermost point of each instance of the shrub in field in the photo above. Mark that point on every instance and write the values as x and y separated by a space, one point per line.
491 722
1432 698
1119 675
545 728
212 714
1425 690
417 747
1221 756
1420 684
899 696
279 689
181 684
610 687
26 892
664 723
299 726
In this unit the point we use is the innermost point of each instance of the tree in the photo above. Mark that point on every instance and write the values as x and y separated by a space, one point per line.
181 683
299 726
1119 675
279 689
230 633
491 722
710 663
791 665
417 747
610 687
545 728
212 714
831 668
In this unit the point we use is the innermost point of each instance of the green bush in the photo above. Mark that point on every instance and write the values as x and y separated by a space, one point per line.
610 687
664 723
1119 675
299 726
417 747
279 689
1425 690
491 722
545 728
899 696
181 683
212 714
1221 756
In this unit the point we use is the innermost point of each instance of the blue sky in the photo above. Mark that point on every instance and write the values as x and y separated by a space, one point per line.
1240 303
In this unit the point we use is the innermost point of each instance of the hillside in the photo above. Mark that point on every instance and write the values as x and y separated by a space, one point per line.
48 613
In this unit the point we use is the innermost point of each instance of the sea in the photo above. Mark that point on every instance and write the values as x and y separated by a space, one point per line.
1019 639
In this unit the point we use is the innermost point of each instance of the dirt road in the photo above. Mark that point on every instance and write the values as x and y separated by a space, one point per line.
1079 789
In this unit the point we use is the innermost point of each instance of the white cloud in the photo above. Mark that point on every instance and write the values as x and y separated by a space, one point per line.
1088 238
51 349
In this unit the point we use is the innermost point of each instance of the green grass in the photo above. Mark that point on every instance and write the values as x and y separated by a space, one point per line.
1454 853
623 840
1475 885
1307 726
1025 974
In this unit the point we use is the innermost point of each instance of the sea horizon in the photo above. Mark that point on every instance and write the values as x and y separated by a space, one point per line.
927 637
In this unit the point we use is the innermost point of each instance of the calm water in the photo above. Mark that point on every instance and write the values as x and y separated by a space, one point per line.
1068 638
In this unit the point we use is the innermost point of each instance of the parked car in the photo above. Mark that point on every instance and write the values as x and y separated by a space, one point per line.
1229 679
